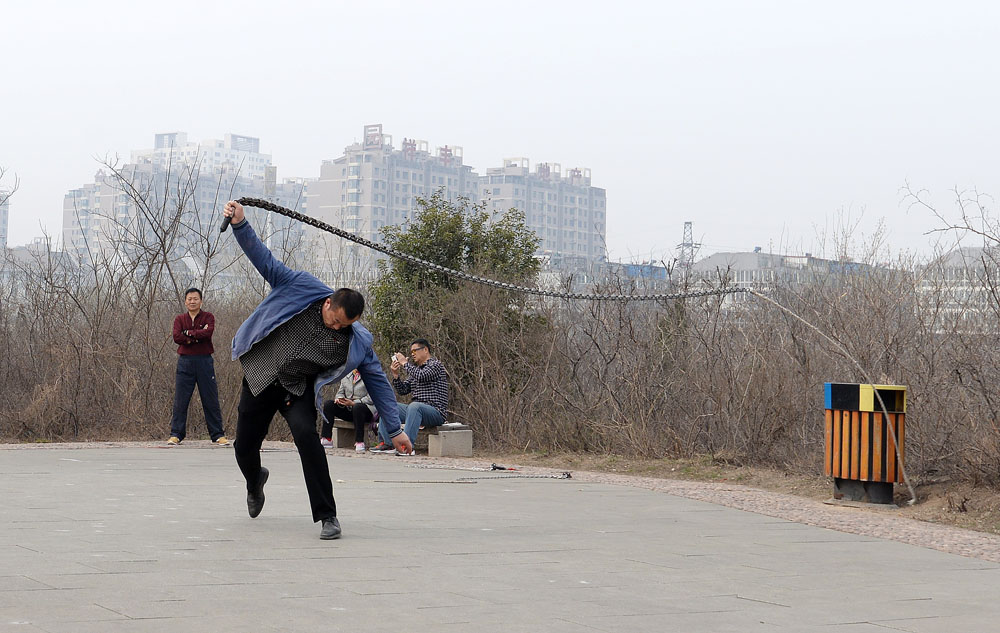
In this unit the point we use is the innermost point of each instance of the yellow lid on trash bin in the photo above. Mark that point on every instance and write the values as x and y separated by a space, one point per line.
894 397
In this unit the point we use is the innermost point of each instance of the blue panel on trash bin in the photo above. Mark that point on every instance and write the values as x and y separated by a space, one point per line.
827 397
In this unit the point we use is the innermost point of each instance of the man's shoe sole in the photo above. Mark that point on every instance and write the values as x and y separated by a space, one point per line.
262 479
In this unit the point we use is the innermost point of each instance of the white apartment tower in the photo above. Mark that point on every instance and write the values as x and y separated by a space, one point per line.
565 211
232 154
197 178
373 185
89 215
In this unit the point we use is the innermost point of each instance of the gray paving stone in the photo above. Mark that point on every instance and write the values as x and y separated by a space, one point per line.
135 539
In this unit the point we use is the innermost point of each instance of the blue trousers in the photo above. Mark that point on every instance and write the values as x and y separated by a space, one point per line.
411 417
196 370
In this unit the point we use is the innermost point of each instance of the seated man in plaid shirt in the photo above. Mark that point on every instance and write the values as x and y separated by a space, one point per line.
427 383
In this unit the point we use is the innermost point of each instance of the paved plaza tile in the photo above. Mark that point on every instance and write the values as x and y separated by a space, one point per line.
139 538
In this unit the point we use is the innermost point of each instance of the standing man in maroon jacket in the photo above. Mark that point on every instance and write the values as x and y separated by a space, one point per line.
193 335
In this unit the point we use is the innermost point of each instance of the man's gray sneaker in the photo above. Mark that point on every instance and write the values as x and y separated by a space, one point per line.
331 529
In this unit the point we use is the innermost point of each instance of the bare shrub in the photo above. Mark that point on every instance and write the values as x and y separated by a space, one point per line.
87 337
86 351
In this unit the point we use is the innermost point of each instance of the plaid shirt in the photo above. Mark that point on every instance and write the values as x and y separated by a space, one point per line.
427 383
294 352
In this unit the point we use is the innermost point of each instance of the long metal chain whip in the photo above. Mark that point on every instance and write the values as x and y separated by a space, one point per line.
458 274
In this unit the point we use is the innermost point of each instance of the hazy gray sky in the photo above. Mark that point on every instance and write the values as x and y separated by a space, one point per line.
761 122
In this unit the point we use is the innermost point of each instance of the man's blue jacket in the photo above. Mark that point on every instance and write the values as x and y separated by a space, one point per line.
292 291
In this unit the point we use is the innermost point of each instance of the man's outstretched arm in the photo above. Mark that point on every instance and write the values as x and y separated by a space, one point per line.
272 269
381 393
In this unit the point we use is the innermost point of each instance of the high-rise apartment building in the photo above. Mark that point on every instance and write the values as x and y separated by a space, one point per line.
568 214
180 182
232 154
373 185
88 215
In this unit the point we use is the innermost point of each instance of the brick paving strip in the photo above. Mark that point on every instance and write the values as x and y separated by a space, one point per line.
876 523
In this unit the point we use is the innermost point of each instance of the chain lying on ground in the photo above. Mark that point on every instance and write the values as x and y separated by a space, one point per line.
510 473
458 274
516 476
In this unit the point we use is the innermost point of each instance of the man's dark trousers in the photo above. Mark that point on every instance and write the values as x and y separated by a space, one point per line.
255 415
360 414
196 369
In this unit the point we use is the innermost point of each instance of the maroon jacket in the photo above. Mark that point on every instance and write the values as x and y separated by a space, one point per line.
194 337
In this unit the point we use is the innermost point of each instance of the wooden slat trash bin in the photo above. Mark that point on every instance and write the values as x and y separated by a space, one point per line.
860 453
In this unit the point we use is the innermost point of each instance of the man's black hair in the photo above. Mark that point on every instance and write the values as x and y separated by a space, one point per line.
424 342
190 290
350 300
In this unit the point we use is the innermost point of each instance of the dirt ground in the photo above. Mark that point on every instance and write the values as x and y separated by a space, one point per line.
946 503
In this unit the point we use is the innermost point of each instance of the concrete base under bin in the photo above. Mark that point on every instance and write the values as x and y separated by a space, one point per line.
853 490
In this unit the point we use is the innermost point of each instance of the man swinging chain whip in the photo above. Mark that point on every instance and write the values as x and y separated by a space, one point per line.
458 274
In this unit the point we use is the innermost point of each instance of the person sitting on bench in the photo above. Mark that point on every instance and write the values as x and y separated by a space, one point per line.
427 383
352 403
